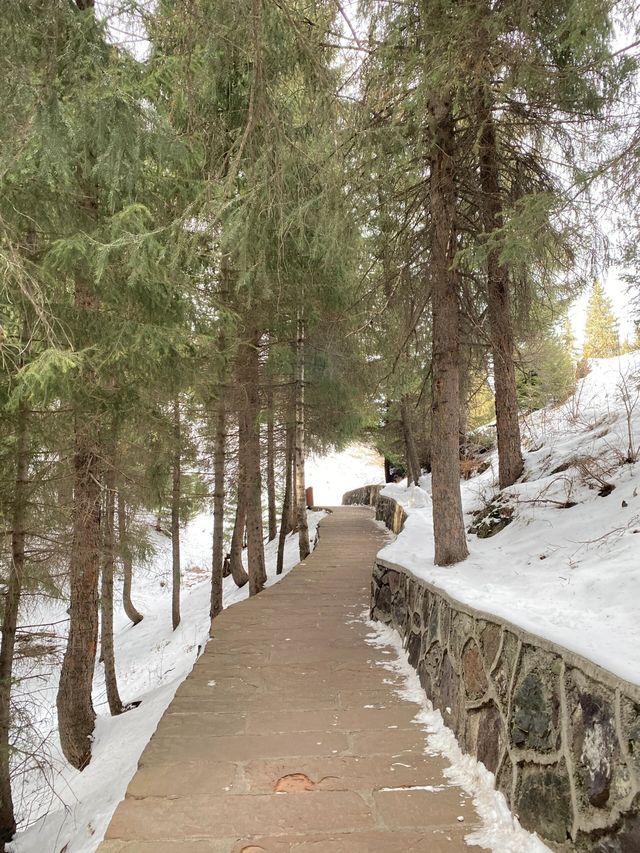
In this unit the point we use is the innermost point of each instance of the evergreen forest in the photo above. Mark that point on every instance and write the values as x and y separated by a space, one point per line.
237 232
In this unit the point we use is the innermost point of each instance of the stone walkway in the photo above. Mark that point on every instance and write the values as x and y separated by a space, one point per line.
288 736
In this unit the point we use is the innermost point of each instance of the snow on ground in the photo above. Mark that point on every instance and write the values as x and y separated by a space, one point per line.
499 831
333 474
73 808
568 566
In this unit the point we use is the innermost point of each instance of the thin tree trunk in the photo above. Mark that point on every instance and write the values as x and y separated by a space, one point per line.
127 563
255 540
271 469
238 572
510 462
76 716
463 400
301 502
217 560
448 521
10 620
285 522
413 465
175 516
106 596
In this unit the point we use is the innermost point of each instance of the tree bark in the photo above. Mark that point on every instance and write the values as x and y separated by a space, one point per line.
301 503
285 521
10 619
76 716
217 558
236 566
175 515
448 521
271 469
127 563
413 465
255 540
106 596
510 462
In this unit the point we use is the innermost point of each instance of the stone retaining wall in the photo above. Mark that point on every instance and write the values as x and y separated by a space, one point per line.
561 734
387 510
365 496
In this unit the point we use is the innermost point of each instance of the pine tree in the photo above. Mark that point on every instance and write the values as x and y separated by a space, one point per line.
601 339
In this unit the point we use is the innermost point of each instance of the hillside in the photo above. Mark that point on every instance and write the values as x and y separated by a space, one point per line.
565 566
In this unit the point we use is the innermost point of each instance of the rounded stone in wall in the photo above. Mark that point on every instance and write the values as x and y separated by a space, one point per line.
489 642
535 704
475 680
543 801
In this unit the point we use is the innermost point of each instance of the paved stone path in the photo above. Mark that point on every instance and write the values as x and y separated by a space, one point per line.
288 736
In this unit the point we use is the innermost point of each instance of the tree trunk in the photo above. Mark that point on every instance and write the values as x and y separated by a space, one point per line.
106 596
448 521
255 540
10 620
301 503
285 522
175 516
238 572
127 563
217 561
76 716
510 462
271 469
413 465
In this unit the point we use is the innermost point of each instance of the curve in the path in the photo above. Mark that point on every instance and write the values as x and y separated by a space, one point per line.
289 735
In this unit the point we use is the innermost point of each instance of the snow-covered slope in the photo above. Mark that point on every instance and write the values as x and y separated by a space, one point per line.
67 810
567 568
332 475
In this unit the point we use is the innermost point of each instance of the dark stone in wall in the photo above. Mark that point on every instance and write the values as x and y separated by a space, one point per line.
393 579
383 599
414 644
449 695
475 681
491 737
543 801
429 669
625 837
426 606
535 709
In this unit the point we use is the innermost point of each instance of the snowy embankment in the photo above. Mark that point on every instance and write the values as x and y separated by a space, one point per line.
331 475
67 810
567 567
